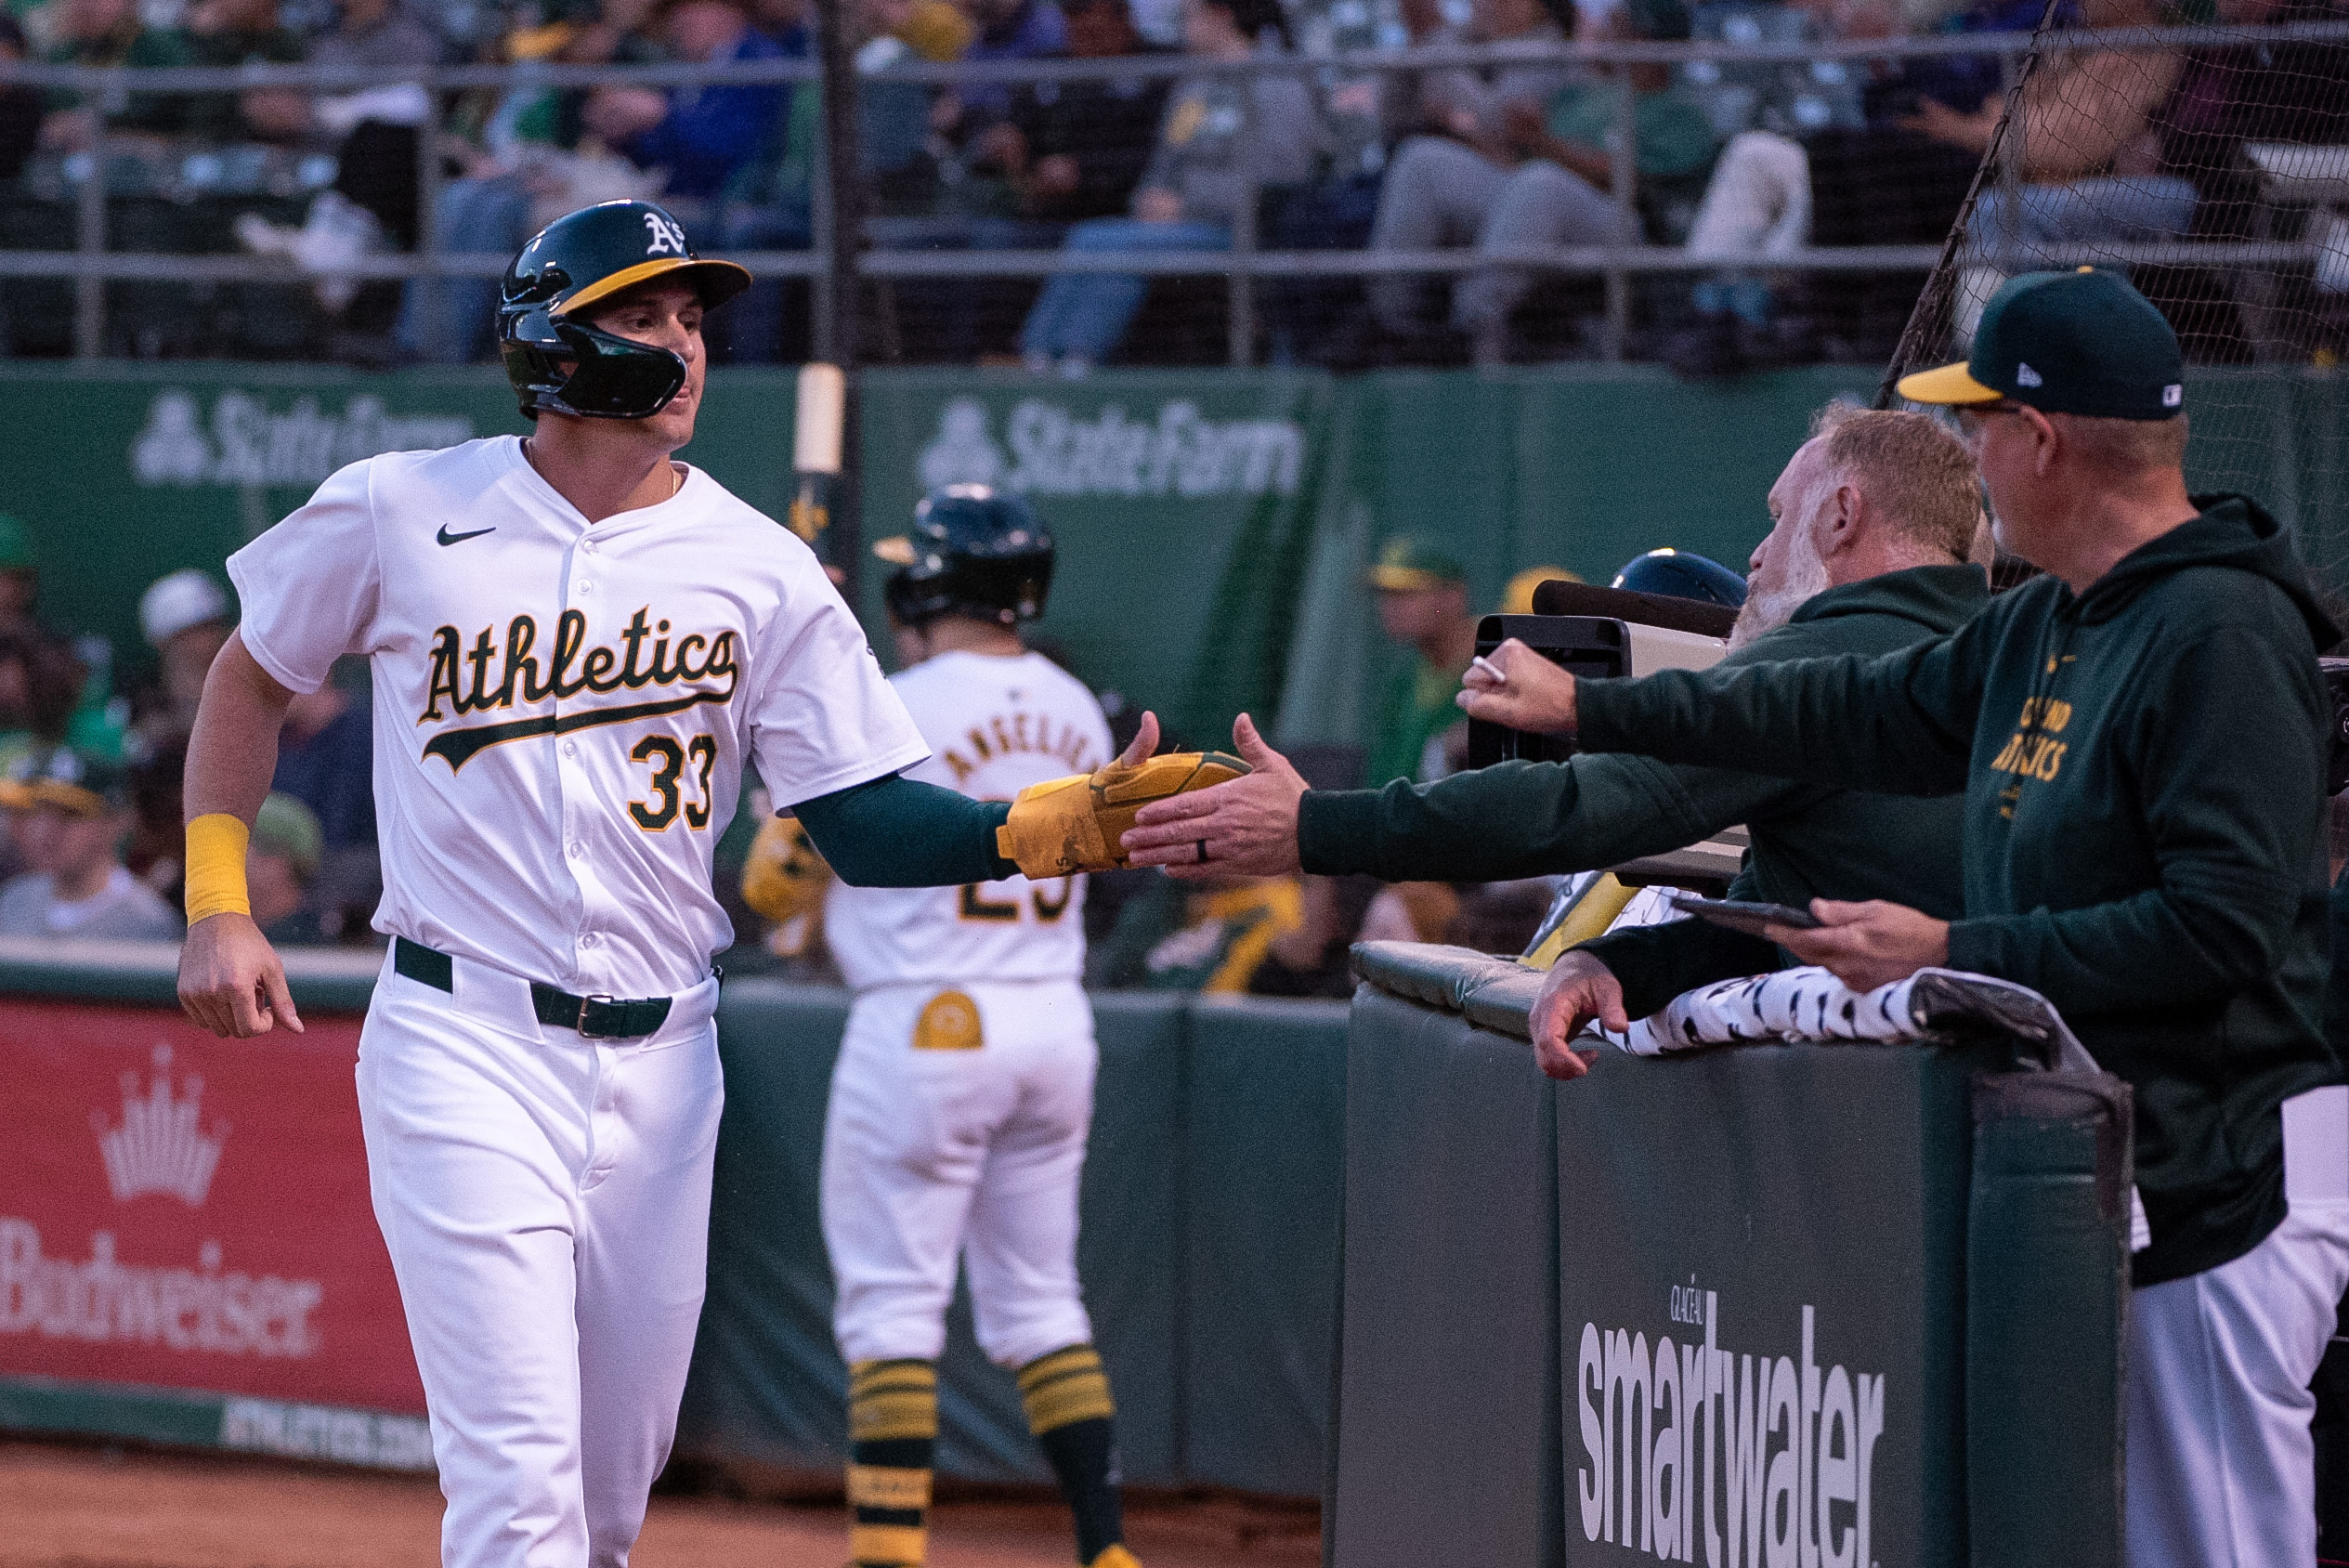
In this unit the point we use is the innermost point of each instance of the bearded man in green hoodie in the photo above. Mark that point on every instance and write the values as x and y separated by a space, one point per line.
1871 525
2140 735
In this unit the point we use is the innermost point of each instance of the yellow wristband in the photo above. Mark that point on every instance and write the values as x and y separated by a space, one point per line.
215 866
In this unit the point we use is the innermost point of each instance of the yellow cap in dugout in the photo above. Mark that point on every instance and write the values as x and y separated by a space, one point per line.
75 782
1409 562
2079 343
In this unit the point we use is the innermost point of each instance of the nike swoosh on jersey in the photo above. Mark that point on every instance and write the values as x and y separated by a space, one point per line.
457 747
446 537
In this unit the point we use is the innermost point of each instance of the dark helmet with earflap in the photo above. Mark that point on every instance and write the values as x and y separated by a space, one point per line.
972 550
557 362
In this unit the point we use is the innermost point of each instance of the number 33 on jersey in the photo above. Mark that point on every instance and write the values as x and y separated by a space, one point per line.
562 710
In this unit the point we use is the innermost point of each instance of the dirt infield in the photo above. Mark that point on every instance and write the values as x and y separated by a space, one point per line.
68 1506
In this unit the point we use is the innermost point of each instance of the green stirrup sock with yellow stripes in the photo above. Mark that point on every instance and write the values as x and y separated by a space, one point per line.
1066 1395
893 1438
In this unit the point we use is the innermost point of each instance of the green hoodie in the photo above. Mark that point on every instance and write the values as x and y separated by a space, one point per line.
2144 772
1521 819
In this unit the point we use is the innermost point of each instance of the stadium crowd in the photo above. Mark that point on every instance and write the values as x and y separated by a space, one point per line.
1739 163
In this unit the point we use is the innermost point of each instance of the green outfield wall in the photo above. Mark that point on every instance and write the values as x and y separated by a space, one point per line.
1214 523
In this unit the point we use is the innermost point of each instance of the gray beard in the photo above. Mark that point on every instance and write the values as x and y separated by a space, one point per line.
1766 612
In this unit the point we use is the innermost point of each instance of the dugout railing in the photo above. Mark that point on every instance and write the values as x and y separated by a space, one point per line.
73 237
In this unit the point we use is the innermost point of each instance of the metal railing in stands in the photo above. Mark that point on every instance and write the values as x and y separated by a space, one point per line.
91 266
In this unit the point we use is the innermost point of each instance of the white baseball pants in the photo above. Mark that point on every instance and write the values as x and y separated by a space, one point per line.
932 1154
2221 1463
545 1199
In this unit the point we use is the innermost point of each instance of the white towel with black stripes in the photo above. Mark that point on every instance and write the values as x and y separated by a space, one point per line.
1812 1004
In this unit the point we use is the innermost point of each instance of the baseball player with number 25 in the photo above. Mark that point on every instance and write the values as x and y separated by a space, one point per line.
965 1091
575 642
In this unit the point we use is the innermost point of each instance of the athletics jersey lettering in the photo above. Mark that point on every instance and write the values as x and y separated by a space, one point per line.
1068 743
995 725
564 708
696 658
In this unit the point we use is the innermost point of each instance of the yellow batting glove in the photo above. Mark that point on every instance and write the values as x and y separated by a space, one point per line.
1065 825
785 877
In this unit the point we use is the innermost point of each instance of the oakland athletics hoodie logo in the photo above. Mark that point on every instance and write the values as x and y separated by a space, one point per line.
705 662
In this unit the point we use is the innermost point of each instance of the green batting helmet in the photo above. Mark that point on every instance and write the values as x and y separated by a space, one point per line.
572 264
972 550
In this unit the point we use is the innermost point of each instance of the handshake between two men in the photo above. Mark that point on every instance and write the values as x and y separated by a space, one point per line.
1255 825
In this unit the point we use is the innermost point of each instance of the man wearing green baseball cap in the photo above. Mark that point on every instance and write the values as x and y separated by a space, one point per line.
1423 604
2140 737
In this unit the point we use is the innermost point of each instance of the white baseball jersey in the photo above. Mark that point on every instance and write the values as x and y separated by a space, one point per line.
562 709
994 725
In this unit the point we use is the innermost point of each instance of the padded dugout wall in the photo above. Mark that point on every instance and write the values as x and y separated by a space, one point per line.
1913 1259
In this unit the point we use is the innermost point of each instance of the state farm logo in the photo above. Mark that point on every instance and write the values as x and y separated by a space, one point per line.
158 1147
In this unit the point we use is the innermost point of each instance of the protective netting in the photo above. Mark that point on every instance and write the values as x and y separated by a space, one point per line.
2215 171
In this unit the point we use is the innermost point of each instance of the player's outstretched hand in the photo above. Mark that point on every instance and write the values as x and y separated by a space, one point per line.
1577 989
1867 944
230 980
1516 687
1143 746
1246 828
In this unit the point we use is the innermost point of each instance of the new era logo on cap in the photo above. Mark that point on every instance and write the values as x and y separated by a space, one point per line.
2026 376
2174 396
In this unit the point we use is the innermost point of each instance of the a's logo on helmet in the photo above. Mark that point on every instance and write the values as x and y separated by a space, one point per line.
667 237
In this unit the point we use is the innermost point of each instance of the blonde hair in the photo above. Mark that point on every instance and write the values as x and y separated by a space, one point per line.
1912 467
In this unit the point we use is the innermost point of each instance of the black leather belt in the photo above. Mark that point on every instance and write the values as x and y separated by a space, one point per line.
594 1017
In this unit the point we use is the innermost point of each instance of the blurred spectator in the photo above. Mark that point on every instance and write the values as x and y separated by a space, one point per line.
109 32
770 202
19 577
69 813
185 618
1471 104
1312 960
1501 918
1007 29
698 136
21 107
282 862
2184 175
1076 149
1206 935
326 762
1546 179
1411 911
41 690
372 206
933 29
2086 150
1883 182
1423 604
1224 138
231 33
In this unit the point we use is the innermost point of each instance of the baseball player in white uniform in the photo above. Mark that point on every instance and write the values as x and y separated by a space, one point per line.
964 1089
575 642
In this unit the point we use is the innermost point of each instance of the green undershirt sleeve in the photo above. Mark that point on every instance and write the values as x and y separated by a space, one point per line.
898 832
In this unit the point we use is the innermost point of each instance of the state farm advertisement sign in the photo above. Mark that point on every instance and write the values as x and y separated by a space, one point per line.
188 1212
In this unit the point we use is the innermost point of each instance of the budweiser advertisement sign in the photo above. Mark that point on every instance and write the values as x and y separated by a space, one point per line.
183 1212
